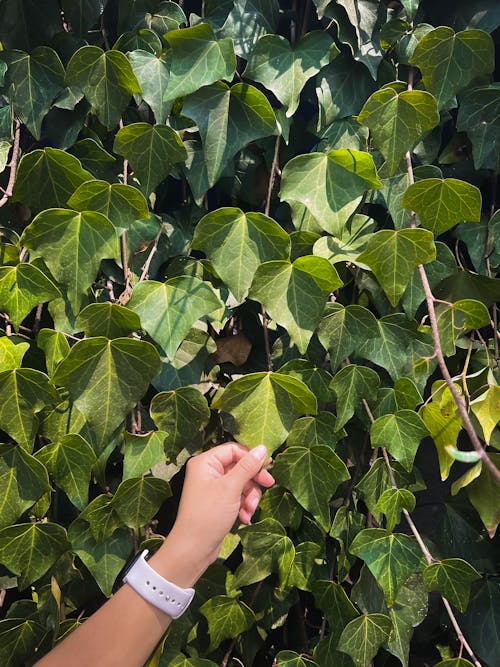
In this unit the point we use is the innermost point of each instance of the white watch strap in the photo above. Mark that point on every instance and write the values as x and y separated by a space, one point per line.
155 589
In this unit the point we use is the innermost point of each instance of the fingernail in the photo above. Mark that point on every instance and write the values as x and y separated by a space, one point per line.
259 452
253 504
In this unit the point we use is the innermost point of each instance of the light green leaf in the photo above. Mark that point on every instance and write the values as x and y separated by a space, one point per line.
142 452
397 120
56 347
106 378
454 662
312 474
137 499
23 481
484 494
452 577
319 430
153 73
121 204
363 636
487 410
181 413
228 119
458 317
69 462
331 185
401 434
285 70
168 310
236 243
227 618
152 151
391 558
294 294
391 502
106 79
351 385
36 79
302 572
260 408
442 203
479 115
292 659
23 287
248 21
107 319
449 61
47 178
104 560
5 147
394 255
443 422
349 244
12 353
30 549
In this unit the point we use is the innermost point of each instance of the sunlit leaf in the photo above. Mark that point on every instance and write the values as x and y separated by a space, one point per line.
363 636
226 618
401 434
23 287
351 385
181 413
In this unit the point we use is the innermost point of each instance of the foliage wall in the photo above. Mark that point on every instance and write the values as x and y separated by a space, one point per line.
273 221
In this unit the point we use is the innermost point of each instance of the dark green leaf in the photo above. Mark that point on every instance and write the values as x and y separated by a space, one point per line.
452 577
19 639
332 599
227 618
142 452
363 636
181 414
401 434
351 385
107 319
481 623
479 115
249 20
137 499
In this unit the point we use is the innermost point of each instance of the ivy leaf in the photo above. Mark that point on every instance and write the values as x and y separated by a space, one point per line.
351 385
47 178
37 78
319 430
285 70
55 346
292 659
260 408
104 560
121 204
19 639
69 462
391 502
483 604
168 310
454 319
452 577
181 413
441 56
107 319
455 662
401 434
82 14
487 410
101 517
332 599
228 119
391 558
24 392
363 636
346 525
484 494
443 422
227 618
142 452
294 294
106 79
394 255
330 185
316 378
72 245
279 504
152 151
478 115
23 481
137 500
312 474
106 378
442 203
23 287
248 21
11 353
30 549
153 74
236 243
397 120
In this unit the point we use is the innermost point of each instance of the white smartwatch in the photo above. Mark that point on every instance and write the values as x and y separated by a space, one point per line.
163 594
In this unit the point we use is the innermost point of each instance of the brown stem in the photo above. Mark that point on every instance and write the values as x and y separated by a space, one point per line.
272 175
266 340
152 252
13 165
38 319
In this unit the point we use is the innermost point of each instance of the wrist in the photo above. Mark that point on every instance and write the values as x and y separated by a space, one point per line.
178 560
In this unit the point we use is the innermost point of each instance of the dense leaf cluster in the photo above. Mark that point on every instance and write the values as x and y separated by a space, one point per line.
273 221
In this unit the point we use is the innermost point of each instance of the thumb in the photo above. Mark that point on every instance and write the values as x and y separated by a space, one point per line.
248 466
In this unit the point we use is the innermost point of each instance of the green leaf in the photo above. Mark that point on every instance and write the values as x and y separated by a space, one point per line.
351 385
397 120
121 204
443 422
449 61
227 618
319 430
94 158
236 243
30 549
285 70
228 119
458 317
279 504
346 525
391 502
104 560
442 203
69 462
331 185
347 246
483 605
181 413
19 639
168 310
484 494
55 346
401 434
23 481
394 255
312 474
107 319
23 287
142 452
260 408
106 378
47 178
292 659
316 378
452 577
72 245
478 115
11 353
294 294
37 78
454 662
486 408
153 74
137 500
363 636
152 151
82 14
101 517
332 599
106 79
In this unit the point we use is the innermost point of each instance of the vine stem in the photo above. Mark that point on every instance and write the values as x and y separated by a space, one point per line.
13 165
152 252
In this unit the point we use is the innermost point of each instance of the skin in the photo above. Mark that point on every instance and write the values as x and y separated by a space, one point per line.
221 485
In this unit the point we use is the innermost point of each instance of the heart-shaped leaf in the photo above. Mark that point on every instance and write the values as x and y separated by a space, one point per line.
363 636
23 287
226 618
401 434
352 384
181 414
452 577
